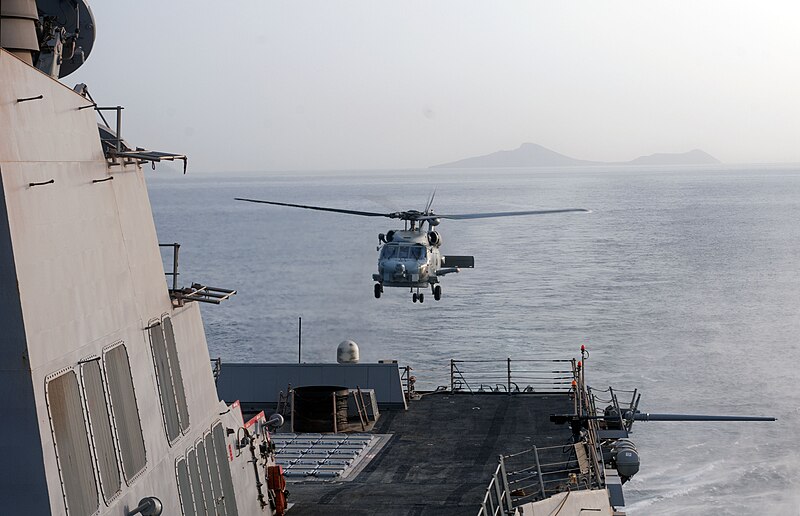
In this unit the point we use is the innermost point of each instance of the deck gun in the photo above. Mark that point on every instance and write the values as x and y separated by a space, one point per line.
610 431
613 420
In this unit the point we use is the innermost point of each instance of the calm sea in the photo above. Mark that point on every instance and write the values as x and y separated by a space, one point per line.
683 283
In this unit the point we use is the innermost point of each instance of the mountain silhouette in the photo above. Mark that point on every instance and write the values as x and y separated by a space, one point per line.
534 155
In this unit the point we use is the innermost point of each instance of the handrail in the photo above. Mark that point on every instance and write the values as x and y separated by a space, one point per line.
593 443
216 367
497 500
196 291
176 247
534 375
454 371
511 488
539 472
566 360
409 380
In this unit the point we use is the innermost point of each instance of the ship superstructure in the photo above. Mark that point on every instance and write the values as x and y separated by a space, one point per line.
106 384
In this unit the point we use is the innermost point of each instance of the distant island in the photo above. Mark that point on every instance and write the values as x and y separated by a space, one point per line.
533 155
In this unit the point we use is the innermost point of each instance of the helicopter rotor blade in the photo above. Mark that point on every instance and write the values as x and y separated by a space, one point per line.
419 216
321 208
430 202
464 216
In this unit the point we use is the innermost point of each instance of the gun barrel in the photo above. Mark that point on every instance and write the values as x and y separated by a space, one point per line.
644 416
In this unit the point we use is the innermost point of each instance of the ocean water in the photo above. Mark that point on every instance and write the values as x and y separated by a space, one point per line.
683 283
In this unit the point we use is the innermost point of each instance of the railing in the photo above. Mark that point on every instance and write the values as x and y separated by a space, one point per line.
613 401
585 406
497 499
536 375
114 143
539 472
408 380
216 367
115 149
195 292
176 247
535 474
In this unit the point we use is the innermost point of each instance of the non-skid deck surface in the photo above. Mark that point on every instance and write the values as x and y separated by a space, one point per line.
441 456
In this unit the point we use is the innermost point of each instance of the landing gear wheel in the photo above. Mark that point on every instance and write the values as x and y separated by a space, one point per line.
437 292
414 297
421 297
378 290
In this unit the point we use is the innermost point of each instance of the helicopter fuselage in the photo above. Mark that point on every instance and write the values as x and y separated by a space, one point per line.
408 259
411 258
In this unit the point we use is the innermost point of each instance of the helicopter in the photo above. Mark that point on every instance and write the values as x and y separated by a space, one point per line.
411 257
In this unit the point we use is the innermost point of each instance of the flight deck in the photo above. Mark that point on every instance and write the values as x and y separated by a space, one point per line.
440 454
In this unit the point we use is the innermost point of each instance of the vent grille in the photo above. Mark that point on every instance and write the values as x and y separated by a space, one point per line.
72 444
125 412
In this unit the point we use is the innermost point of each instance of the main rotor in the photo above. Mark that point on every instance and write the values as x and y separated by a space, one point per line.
415 216
410 258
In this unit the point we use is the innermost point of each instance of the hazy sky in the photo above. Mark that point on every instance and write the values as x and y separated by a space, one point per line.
268 85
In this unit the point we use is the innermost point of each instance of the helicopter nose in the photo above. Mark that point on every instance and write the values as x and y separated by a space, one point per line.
399 269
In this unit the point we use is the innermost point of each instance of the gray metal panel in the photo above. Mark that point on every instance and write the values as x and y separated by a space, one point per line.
614 486
105 452
205 478
224 470
72 444
185 487
197 489
216 481
177 376
261 383
18 28
165 387
125 412
20 443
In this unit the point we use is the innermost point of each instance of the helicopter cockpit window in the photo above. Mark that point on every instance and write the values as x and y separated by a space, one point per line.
413 252
389 251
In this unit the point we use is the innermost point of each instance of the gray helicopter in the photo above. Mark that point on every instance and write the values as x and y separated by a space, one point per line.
411 257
